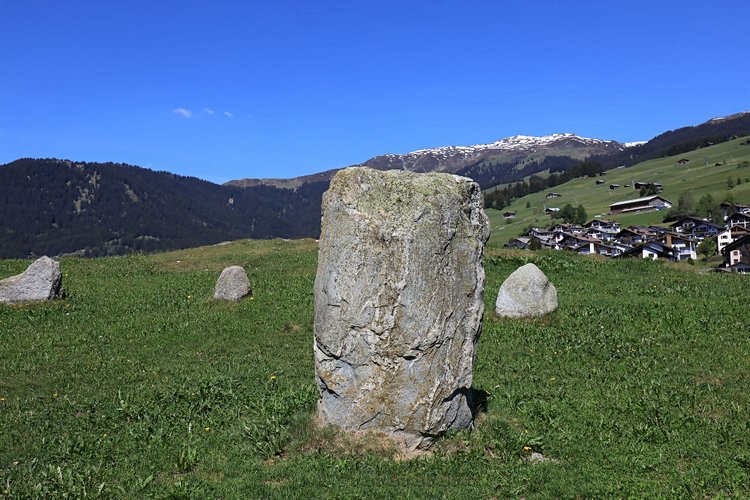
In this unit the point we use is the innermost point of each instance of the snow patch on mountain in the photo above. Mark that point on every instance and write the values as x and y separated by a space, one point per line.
515 143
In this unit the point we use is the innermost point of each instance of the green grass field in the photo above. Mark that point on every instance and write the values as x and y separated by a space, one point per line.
139 385
700 176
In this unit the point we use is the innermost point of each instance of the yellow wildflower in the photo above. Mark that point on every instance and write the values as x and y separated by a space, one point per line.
206 429
527 448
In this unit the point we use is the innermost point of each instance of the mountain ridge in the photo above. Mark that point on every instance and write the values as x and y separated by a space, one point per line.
51 206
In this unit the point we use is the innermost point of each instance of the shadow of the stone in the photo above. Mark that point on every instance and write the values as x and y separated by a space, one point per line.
479 401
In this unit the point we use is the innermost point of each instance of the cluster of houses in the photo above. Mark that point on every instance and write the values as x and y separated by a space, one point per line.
676 242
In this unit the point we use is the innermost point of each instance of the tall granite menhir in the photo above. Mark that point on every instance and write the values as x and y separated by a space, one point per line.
398 302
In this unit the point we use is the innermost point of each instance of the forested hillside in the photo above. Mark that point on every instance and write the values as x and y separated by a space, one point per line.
53 206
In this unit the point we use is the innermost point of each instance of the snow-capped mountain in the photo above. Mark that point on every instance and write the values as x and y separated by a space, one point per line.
492 162
517 149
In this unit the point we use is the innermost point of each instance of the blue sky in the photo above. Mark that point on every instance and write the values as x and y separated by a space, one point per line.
230 89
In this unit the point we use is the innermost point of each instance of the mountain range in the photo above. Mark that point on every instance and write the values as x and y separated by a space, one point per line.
52 206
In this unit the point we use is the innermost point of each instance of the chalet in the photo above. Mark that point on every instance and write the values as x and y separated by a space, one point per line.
682 161
599 181
542 234
614 186
739 219
657 230
650 250
521 243
732 234
605 225
740 267
509 215
597 248
647 203
567 228
737 252
551 211
570 241
553 195
684 246
634 235
696 226
729 208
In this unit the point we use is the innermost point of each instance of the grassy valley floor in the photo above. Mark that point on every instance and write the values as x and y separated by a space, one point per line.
138 384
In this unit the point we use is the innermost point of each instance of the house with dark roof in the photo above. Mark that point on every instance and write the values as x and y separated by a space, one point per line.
726 237
739 219
644 204
683 245
635 235
597 248
650 250
737 252
696 226
728 208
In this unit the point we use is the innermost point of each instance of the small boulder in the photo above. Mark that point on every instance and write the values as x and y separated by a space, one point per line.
42 280
233 284
526 293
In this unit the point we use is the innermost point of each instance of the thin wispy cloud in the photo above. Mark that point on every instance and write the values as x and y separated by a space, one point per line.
183 112
208 111
228 114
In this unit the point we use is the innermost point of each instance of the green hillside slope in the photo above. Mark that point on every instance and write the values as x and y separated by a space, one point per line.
707 172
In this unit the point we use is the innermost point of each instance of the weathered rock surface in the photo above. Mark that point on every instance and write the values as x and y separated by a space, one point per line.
233 284
42 280
398 302
526 293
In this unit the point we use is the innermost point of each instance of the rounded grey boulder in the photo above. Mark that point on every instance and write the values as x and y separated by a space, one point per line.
526 293
42 280
233 284
398 302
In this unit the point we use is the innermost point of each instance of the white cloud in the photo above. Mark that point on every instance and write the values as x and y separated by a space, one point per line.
185 113
228 114
208 111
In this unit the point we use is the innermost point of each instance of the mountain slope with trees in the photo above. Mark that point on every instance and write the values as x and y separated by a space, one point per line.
54 206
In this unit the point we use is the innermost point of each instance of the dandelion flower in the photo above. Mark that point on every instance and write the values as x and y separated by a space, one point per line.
206 429
527 448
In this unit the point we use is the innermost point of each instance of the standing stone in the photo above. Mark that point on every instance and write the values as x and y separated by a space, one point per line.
42 280
526 293
398 302
233 284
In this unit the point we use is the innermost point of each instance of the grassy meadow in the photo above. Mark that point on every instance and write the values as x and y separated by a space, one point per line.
139 385
707 172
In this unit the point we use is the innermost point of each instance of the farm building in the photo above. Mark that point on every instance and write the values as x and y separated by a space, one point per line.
640 205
